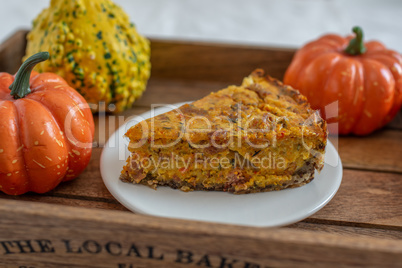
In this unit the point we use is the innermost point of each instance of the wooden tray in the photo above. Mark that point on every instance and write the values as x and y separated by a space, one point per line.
79 224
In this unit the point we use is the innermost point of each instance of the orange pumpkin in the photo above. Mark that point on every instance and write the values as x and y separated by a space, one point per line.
365 79
46 130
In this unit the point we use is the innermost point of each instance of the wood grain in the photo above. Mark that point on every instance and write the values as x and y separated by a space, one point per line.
11 52
265 247
197 61
348 229
366 197
380 151
69 200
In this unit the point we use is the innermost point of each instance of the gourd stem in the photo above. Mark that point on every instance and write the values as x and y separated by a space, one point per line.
20 86
356 45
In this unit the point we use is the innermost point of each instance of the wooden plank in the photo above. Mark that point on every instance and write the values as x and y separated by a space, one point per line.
68 200
180 60
366 197
215 62
76 236
381 151
347 229
12 51
328 226
335 227
88 184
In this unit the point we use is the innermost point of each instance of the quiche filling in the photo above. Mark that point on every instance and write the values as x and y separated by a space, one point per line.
259 136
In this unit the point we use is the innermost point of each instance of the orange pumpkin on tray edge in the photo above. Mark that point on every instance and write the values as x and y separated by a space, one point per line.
364 77
46 130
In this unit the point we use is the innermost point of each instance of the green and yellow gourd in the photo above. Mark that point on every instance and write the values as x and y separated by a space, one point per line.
95 48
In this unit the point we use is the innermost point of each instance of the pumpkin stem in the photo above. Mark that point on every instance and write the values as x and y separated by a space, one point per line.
356 45
20 86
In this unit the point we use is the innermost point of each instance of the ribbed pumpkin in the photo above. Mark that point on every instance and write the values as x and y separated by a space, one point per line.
46 130
365 78
95 48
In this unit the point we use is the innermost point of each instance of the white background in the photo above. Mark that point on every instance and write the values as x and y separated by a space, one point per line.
287 23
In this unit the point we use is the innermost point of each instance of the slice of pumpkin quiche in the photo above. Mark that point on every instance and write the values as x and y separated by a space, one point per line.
260 136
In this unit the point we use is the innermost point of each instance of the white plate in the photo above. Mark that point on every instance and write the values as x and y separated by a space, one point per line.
266 209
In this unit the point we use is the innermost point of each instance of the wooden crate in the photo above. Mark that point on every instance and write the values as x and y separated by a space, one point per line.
79 224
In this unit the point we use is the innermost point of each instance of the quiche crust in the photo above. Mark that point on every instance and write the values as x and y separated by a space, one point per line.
259 136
